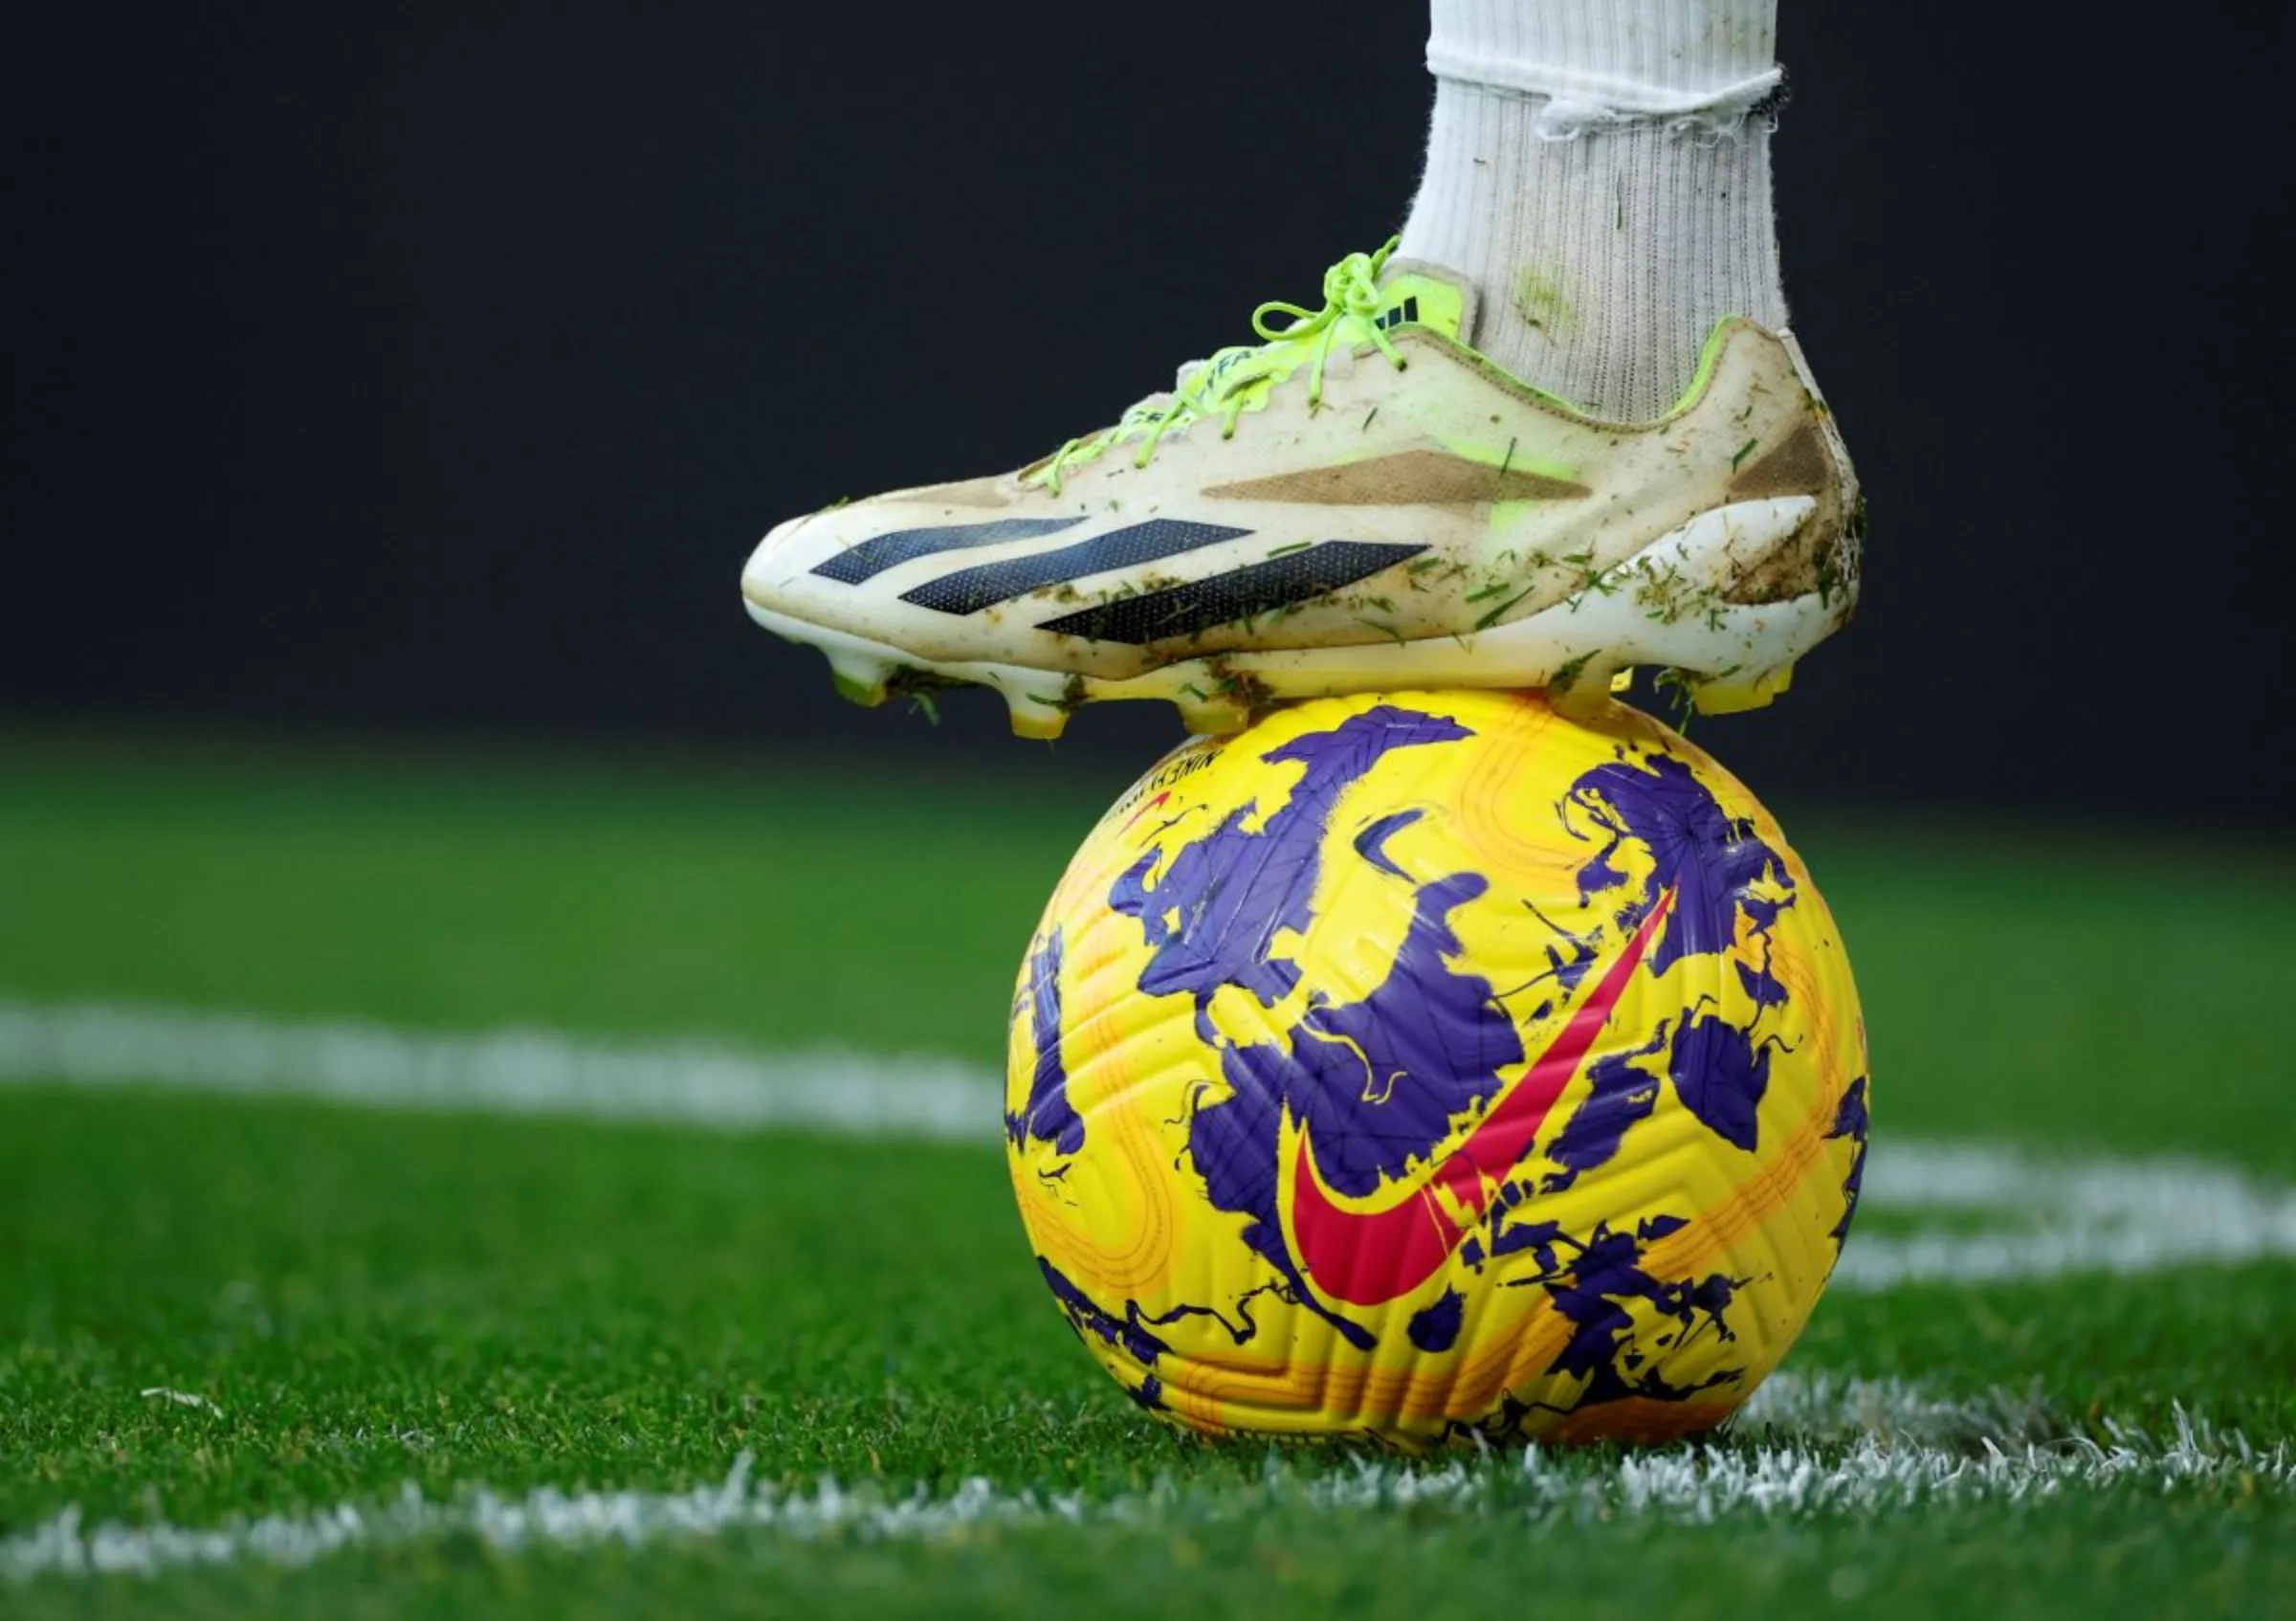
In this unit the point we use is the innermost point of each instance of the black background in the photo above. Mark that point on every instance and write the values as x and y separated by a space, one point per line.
431 372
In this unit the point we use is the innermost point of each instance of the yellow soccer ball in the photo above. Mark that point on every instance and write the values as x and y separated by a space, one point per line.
1420 1065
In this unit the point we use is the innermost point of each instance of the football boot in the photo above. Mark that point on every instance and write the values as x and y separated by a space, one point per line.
1359 502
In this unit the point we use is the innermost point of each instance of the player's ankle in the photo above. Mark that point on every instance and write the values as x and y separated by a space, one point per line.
1601 169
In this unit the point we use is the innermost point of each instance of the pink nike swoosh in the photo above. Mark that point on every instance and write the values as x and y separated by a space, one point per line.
1369 1258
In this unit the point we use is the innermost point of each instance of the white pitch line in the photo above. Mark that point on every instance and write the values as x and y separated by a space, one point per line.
2052 1215
182 1398
691 1081
1805 1449
2060 1216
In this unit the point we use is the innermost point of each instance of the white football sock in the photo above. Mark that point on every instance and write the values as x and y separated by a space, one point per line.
1601 169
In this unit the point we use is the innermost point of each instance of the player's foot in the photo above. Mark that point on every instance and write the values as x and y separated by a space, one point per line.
1359 502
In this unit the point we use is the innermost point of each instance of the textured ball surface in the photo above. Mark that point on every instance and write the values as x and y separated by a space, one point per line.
1419 1064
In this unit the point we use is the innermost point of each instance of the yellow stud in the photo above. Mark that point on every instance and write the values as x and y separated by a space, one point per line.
1038 723
1039 713
1212 716
1739 694
860 679
1584 692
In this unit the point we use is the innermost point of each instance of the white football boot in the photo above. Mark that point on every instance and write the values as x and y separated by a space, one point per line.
1360 503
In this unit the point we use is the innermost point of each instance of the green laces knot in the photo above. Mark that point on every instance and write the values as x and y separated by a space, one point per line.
1350 287
1228 384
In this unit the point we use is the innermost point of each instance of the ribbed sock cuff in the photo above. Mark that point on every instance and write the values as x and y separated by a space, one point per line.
1608 62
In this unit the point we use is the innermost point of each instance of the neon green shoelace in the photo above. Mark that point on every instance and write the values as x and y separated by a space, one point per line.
1225 385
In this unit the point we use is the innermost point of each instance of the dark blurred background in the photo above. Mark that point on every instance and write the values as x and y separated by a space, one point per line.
427 373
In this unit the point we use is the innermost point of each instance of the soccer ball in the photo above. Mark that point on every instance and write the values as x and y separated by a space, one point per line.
1424 1066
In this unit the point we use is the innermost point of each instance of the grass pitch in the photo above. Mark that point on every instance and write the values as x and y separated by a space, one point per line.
213 1311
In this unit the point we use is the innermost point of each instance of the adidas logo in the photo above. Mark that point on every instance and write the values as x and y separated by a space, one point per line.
1401 314
1289 577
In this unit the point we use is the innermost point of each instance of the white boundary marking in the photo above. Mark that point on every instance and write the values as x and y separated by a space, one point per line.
2049 1215
1805 1449
2061 1216
522 1071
